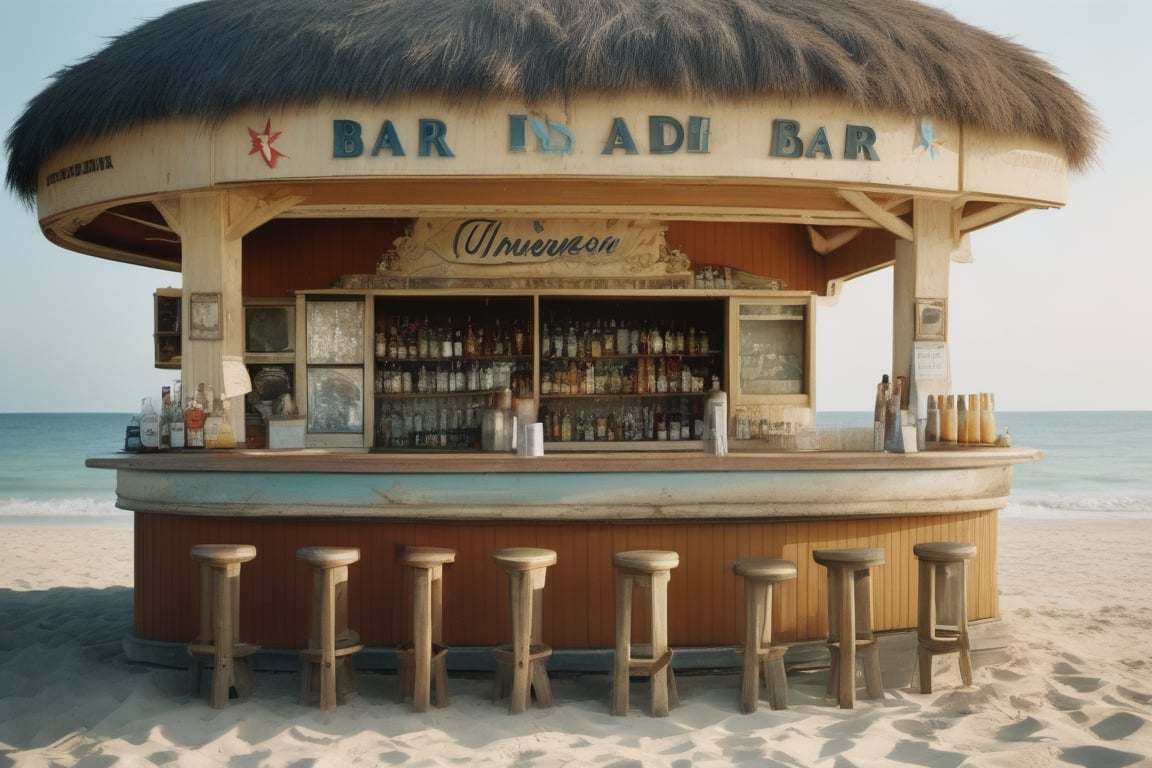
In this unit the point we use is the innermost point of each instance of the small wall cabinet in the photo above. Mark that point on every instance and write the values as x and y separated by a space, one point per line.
166 328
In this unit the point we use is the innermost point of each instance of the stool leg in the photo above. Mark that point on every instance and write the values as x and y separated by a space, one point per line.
926 625
834 600
658 684
962 627
439 665
846 679
328 640
521 640
773 665
623 653
422 641
872 681
223 632
540 683
753 640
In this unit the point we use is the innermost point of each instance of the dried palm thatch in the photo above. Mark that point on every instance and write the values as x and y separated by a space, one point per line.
211 58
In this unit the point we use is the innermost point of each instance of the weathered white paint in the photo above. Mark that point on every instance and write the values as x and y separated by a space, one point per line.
182 155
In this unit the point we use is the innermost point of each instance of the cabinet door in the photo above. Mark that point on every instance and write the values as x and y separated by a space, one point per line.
334 384
771 352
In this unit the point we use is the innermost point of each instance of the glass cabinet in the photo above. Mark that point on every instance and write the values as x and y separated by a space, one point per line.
441 372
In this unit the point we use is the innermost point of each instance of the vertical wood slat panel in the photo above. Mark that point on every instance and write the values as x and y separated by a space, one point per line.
579 609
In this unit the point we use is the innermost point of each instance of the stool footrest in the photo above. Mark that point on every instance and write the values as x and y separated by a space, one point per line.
315 654
649 666
239 650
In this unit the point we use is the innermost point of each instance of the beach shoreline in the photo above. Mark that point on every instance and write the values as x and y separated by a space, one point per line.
1070 687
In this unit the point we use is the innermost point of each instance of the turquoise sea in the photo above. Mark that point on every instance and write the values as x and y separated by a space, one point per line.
1096 464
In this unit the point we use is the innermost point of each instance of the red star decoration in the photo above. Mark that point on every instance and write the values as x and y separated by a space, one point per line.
262 143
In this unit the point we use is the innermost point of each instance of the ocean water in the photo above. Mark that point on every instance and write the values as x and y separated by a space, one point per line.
1096 464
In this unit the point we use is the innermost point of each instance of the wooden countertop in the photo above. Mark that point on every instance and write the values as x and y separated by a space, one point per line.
357 461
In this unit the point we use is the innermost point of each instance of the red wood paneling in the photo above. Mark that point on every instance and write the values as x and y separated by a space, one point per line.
705 598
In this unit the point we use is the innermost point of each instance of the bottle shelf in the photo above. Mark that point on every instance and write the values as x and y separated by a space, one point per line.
619 395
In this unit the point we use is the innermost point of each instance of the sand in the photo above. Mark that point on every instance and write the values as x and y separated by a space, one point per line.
1070 684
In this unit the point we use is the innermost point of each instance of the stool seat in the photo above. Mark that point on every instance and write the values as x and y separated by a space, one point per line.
765 569
856 557
646 560
331 644
942 607
328 557
423 672
520 664
850 620
944 551
524 558
761 658
427 557
218 641
650 569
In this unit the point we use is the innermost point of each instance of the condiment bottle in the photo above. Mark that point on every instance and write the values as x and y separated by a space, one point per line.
987 418
974 419
932 425
948 420
961 420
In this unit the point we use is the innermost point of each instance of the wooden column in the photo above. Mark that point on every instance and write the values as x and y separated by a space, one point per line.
921 272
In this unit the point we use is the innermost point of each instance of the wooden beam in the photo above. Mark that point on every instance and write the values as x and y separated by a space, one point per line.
986 216
247 212
825 245
876 213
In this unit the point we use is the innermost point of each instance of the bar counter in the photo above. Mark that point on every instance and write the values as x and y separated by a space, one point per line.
712 510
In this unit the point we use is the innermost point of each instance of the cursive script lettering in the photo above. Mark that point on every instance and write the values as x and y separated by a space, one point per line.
480 239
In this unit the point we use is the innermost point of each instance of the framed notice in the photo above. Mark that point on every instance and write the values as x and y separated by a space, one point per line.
204 317
931 319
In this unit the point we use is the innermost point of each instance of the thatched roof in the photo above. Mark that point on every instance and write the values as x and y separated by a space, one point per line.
212 58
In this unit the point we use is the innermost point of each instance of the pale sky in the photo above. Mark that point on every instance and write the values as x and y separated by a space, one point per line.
1051 315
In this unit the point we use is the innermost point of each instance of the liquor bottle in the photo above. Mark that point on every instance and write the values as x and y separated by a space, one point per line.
149 426
656 341
213 417
880 413
176 427
571 342
892 417
132 435
165 418
226 437
470 342
545 342
194 424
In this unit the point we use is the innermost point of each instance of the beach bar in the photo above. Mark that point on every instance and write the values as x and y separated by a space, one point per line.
473 276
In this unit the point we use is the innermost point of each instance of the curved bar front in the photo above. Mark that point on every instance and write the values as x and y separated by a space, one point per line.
711 510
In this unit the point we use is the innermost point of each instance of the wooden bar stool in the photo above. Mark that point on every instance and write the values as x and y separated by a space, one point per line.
942 615
650 569
330 642
423 672
850 620
218 645
760 656
520 669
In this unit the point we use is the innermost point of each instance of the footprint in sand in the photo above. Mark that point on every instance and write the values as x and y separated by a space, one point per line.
1099 757
1021 731
1118 726
1079 683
